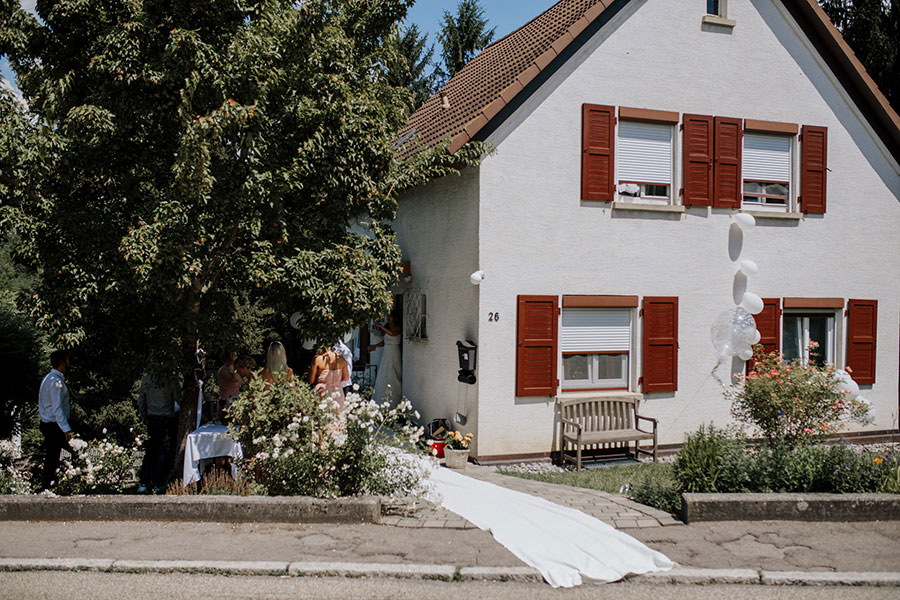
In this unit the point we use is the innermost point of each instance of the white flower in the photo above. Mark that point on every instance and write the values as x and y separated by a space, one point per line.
355 387
293 426
104 431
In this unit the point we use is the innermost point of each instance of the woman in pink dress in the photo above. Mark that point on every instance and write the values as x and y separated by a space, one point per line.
327 372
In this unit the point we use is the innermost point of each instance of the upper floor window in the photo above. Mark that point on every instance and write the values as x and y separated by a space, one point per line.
716 7
645 154
767 168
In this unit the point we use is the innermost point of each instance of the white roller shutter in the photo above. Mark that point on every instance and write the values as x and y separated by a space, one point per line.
767 157
644 154
595 330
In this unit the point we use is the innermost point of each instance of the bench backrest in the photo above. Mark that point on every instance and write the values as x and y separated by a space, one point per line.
600 414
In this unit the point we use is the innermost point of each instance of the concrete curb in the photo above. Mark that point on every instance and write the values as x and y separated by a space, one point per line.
678 575
221 509
790 507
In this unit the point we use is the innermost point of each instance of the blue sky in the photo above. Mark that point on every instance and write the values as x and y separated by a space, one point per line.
505 15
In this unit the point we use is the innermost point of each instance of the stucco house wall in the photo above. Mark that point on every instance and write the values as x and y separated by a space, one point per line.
537 237
519 217
438 233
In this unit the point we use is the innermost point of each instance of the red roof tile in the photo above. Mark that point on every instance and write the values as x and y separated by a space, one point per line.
491 80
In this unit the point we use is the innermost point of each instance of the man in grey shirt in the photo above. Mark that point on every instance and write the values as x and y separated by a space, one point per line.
53 406
156 403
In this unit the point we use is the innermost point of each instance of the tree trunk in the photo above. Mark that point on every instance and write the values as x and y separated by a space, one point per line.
187 418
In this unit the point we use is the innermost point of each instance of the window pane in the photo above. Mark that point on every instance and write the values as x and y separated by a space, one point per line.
712 7
610 366
575 367
792 338
819 333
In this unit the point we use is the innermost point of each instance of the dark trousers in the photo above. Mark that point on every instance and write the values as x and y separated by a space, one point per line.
54 441
157 452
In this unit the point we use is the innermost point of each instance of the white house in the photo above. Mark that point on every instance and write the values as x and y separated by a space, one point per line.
627 136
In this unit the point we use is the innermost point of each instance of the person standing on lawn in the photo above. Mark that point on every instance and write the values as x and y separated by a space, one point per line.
53 406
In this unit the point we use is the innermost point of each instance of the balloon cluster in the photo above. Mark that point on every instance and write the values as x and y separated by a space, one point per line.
734 331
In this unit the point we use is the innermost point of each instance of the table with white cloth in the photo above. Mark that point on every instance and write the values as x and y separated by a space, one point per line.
205 443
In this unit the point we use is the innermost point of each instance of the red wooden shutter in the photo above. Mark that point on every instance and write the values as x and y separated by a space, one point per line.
660 344
813 165
862 328
768 324
536 348
598 152
697 140
727 185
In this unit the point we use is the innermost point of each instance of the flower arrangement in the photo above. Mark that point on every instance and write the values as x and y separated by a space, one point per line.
455 440
794 402
296 443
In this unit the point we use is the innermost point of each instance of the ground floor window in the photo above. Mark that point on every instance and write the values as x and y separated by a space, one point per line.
808 337
595 344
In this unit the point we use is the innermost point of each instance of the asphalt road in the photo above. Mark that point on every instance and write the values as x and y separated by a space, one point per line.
40 585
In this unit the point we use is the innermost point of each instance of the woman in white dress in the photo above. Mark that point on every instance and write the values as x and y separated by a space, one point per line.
390 367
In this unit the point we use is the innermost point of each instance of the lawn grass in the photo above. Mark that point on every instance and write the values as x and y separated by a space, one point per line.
607 478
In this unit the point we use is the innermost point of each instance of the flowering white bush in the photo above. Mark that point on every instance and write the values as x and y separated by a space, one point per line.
12 481
98 467
298 444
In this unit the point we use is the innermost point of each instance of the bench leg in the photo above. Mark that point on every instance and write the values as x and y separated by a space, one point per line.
578 458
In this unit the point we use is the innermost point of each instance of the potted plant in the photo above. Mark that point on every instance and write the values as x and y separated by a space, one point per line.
456 449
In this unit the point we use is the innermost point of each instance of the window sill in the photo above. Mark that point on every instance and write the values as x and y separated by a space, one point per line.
605 394
764 214
667 208
716 20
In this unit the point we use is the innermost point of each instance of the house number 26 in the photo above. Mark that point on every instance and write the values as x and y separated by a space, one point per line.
493 317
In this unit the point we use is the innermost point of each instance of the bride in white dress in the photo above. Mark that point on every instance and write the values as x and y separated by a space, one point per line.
390 367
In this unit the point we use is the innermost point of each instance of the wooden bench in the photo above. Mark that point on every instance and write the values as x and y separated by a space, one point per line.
593 421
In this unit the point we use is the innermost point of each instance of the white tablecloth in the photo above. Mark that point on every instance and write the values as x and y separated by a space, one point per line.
567 546
208 442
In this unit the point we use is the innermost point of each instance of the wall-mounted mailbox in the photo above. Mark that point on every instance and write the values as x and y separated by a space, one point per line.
467 351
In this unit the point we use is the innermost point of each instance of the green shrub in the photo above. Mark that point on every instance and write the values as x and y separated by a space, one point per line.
12 480
792 403
658 494
298 444
96 467
712 460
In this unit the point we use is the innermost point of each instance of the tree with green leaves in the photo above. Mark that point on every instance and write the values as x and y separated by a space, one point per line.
463 36
409 65
872 29
182 164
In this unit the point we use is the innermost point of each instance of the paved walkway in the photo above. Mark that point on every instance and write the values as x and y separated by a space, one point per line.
617 511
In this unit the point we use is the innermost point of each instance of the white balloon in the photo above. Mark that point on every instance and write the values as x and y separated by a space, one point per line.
745 354
732 331
744 221
748 267
756 337
752 303
849 387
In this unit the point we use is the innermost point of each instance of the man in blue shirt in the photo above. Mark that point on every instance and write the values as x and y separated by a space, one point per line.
53 405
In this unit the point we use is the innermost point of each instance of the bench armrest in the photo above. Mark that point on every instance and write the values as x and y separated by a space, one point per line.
571 423
651 419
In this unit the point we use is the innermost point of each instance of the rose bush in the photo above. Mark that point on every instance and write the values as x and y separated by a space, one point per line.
793 403
96 467
296 443
12 480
